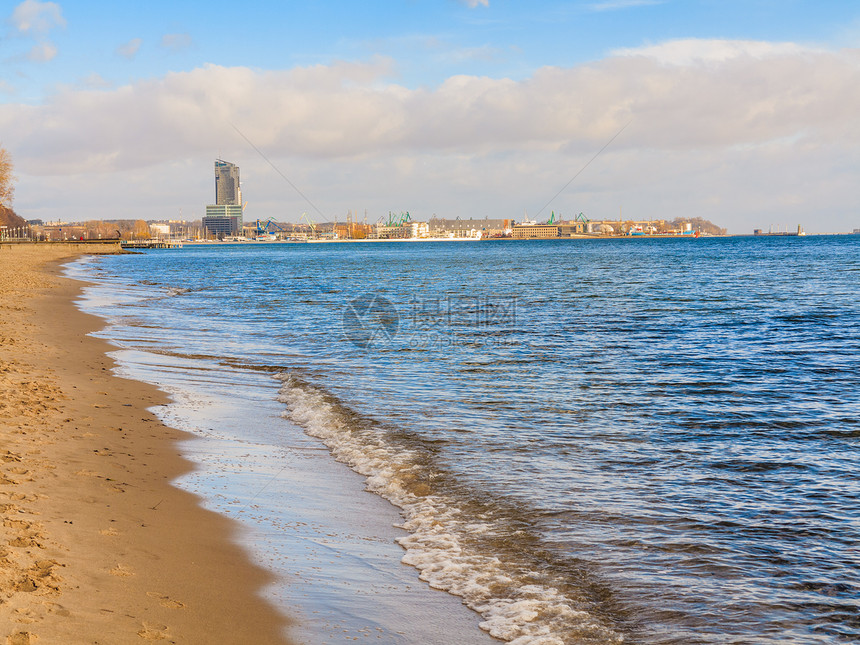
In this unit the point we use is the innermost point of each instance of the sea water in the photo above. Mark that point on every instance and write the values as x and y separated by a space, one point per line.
591 441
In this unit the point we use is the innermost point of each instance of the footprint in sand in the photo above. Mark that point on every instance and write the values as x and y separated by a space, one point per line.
24 616
21 638
40 577
111 532
57 609
166 601
18 525
121 571
154 632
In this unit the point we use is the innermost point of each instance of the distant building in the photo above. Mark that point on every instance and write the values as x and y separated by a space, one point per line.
223 221
546 231
420 229
440 227
159 231
353 231
228 190
224 217
535 231
398 232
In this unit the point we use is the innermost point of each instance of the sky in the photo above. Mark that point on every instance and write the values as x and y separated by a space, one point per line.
746 113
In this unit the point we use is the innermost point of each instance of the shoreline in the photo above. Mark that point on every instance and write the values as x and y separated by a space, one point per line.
332 543
97 544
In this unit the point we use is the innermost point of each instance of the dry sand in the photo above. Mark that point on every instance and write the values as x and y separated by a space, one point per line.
96 546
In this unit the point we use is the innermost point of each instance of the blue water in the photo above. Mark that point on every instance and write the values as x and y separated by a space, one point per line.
646 441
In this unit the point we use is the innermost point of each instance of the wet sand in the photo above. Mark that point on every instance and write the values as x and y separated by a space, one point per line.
96 546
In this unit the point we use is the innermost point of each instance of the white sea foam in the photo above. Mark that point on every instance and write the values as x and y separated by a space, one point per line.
514 609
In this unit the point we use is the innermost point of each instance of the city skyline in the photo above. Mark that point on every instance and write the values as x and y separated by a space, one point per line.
738 112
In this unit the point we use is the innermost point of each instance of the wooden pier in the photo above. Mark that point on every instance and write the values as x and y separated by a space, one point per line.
151 244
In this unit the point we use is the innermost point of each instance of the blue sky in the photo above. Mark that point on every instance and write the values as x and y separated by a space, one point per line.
429 40
438 107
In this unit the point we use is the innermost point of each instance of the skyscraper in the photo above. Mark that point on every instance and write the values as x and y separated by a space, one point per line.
224 217
227 189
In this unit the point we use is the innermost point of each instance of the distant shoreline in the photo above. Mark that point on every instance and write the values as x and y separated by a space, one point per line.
501 239
414 240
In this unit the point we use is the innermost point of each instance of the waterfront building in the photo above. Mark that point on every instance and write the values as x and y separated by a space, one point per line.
472 227
398 232
353 231
535 231
224 217
223 220
547 231
159 230
420 229
228 190
402 231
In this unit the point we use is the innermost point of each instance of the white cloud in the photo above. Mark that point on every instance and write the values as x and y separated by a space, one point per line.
614 5
95 81
176 42
472 4
42 52
692 51
726 130
129 50
32 16
35 19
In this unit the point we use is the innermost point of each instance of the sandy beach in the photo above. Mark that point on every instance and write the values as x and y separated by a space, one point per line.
96 546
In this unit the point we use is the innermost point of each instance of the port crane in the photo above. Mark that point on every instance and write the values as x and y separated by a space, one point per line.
309 221
579 218
395 220
269 227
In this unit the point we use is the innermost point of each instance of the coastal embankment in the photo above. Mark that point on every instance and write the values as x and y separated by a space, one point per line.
95 543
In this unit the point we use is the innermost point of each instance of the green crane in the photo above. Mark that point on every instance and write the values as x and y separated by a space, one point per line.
310 223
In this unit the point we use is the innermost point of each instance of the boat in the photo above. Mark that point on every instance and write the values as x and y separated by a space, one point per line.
771 233
526 221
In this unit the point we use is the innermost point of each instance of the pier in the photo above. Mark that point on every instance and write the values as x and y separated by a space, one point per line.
151 244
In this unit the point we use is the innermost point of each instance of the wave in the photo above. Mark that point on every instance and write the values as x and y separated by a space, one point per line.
519 603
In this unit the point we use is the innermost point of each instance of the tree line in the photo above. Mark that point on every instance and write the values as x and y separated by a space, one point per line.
8 217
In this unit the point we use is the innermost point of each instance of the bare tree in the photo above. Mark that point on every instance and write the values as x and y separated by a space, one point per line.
7 179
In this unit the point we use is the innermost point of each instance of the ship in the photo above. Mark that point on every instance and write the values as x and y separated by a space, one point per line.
798 233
